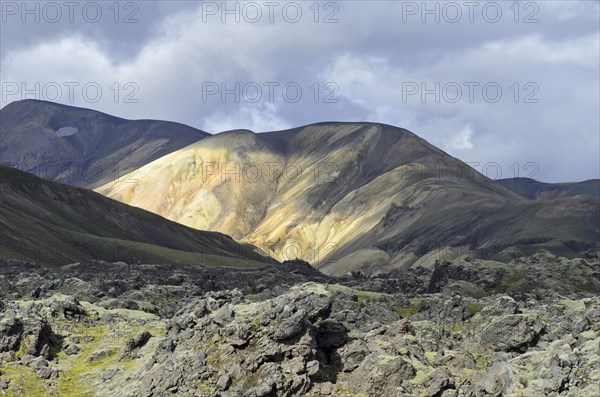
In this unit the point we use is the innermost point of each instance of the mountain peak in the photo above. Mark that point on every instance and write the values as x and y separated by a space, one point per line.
82 146
344 196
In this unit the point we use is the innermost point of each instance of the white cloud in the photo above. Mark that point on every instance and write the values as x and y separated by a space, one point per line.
561 76
462 140
259 118
369 55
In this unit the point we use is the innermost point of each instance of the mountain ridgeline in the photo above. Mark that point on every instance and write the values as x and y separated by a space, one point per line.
83 147
353 197
54 224
345 197
536 190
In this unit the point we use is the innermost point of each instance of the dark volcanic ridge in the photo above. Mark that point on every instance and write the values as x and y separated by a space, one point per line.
54 224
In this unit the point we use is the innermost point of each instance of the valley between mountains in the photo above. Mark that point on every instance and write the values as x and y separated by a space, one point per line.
351 197
145 258
343 196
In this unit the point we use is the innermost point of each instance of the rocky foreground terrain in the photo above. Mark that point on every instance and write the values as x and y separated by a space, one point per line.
466 328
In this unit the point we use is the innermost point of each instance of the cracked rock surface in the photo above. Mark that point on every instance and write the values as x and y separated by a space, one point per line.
459 329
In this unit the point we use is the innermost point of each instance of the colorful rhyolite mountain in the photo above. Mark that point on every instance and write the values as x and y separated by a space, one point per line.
343 196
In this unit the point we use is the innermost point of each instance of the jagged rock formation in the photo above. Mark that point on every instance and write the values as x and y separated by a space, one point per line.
156 330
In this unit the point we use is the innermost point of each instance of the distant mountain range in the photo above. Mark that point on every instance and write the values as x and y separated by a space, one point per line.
536 190
343 196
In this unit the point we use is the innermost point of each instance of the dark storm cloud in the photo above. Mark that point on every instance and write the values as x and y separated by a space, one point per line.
121 30
543 56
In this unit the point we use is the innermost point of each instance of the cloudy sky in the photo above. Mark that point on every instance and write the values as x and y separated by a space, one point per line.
511 83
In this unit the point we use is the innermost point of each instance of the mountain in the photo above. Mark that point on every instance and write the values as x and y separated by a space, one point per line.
536 190
55 224
83 147
353 196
